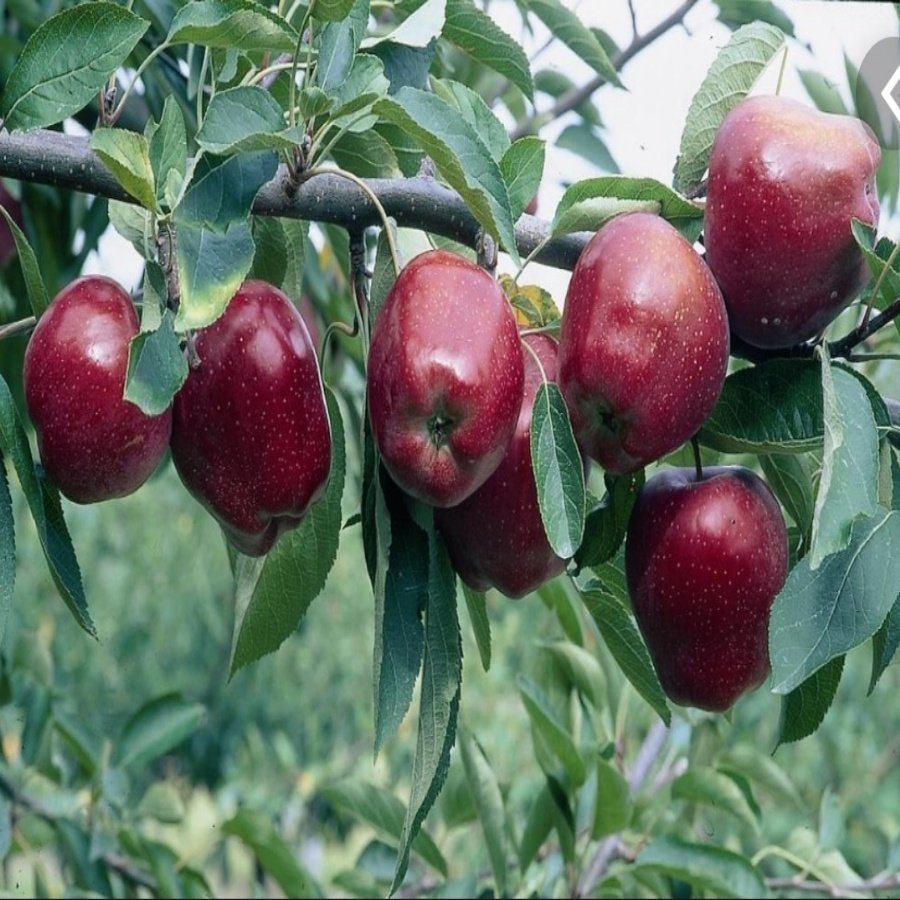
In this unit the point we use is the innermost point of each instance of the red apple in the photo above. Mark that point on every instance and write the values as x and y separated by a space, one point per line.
644 344
94 444
251 438
784 182
445 378
7 241
704 560
496 537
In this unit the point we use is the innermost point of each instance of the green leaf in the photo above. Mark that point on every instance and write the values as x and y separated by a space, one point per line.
385 813
222 190
584 140
551 730
273 592
476 33
758 766
558 471
338 46
162 802
885 644
476 603
729 79
418 29
605 526
276 857
849 480
367 155
804 708
718 872
821 615
439 703
877 255
460 156
46 510
791 479
611 195
401 595
710 788
127 156
568 28
537 828
735 13
67 61
581 668
224 24
211 267
133 223
168 152
489 804
7 552
244 119
157 368
823 92
364 84
612 811
477 113
31 271
606 601
331 10
157 727
773 407
522 166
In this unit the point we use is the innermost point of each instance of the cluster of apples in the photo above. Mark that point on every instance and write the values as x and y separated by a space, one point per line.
641 359
248 431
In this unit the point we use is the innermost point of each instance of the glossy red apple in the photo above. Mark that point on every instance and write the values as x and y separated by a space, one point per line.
644 344
94 444
251 438
445 378
784 182
496 537
7 241
704 560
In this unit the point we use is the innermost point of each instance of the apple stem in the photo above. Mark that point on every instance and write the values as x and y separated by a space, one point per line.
698 462
350 330
784 57
19 327
536 358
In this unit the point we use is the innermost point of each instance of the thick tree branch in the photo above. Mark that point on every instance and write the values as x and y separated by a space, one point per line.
49 157
574 98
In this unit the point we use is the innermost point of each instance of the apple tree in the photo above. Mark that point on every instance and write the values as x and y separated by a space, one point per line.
691 463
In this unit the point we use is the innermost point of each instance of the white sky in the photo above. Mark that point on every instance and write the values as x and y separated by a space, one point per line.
644 122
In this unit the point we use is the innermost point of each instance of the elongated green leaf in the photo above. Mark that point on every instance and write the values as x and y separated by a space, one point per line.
721 873
211 267
537 828
31 272
612 811
558 471
605 526
757 765
554 732
565 25
477 34
476 603
522 166
821 615
774 407
791 478
168 152
46 510
824 93
338 45
606 601
735 13
157 368
162 801
877 254
477 113
385 813
439 703
7 552
274 592
730 78
716 790
276 857
127 156
367 155
489 803
584 140
401 594
331 10
459 154
804 708
849 481
885 644
66 61
581 668
222 190
614 194
357 93
419 29
244 119
157 727
226 24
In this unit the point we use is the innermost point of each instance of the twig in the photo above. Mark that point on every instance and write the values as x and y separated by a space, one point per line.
842 347
19 327
574 98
